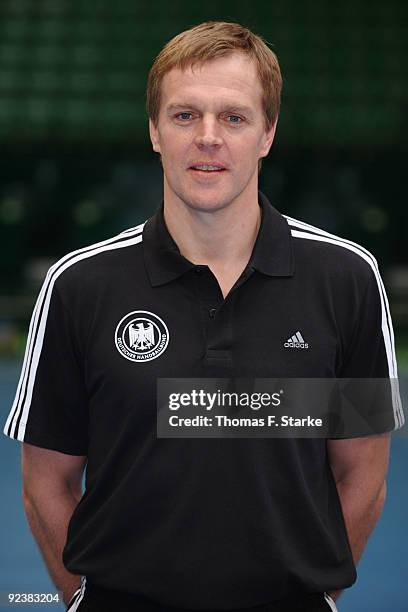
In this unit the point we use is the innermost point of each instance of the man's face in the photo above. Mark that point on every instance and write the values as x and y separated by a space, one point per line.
211 132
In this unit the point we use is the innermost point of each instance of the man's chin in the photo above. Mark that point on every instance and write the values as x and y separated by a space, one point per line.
206 202
207 207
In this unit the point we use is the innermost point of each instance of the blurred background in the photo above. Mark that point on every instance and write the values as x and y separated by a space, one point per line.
76 167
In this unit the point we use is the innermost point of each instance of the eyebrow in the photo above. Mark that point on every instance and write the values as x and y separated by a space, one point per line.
246 110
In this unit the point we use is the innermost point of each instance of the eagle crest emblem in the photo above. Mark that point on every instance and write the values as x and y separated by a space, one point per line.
141 336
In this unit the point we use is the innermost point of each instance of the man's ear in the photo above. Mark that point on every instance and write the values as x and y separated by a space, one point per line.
268 140
154 136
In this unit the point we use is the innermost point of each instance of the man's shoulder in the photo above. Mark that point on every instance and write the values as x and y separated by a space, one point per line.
322 250
98 258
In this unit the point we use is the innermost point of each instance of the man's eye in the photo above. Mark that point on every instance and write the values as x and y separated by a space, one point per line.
184 116
234 119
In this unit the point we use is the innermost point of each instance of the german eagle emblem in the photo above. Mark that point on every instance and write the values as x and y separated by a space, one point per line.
141 337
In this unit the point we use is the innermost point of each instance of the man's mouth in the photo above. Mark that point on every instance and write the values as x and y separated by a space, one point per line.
207 168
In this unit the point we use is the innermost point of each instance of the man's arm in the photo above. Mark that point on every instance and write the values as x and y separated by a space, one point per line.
359 467
51 492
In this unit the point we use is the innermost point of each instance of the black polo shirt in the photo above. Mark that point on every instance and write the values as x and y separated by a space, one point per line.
200 523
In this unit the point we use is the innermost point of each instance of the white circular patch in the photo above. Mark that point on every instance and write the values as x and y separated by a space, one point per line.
141 336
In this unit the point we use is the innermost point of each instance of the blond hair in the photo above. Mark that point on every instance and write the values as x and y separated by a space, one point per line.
208 41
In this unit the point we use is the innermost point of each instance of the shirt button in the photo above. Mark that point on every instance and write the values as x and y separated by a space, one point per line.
212 313
198 270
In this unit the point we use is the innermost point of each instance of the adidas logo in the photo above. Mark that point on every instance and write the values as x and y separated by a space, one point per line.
296 341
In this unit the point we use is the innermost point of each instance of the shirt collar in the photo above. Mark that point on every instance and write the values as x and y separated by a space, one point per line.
272 253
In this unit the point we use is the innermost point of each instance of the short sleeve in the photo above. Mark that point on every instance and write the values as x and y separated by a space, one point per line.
369 368
50 408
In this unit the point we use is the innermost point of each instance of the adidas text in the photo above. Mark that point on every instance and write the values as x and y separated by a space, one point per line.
301 345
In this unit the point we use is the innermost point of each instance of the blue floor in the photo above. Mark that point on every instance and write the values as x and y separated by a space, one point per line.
382 583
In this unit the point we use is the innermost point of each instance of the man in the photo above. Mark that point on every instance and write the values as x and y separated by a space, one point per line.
201 524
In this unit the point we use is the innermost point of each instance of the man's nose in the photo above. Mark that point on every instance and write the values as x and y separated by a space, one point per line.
208 132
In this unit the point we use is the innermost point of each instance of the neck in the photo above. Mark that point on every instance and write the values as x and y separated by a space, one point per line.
223 237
